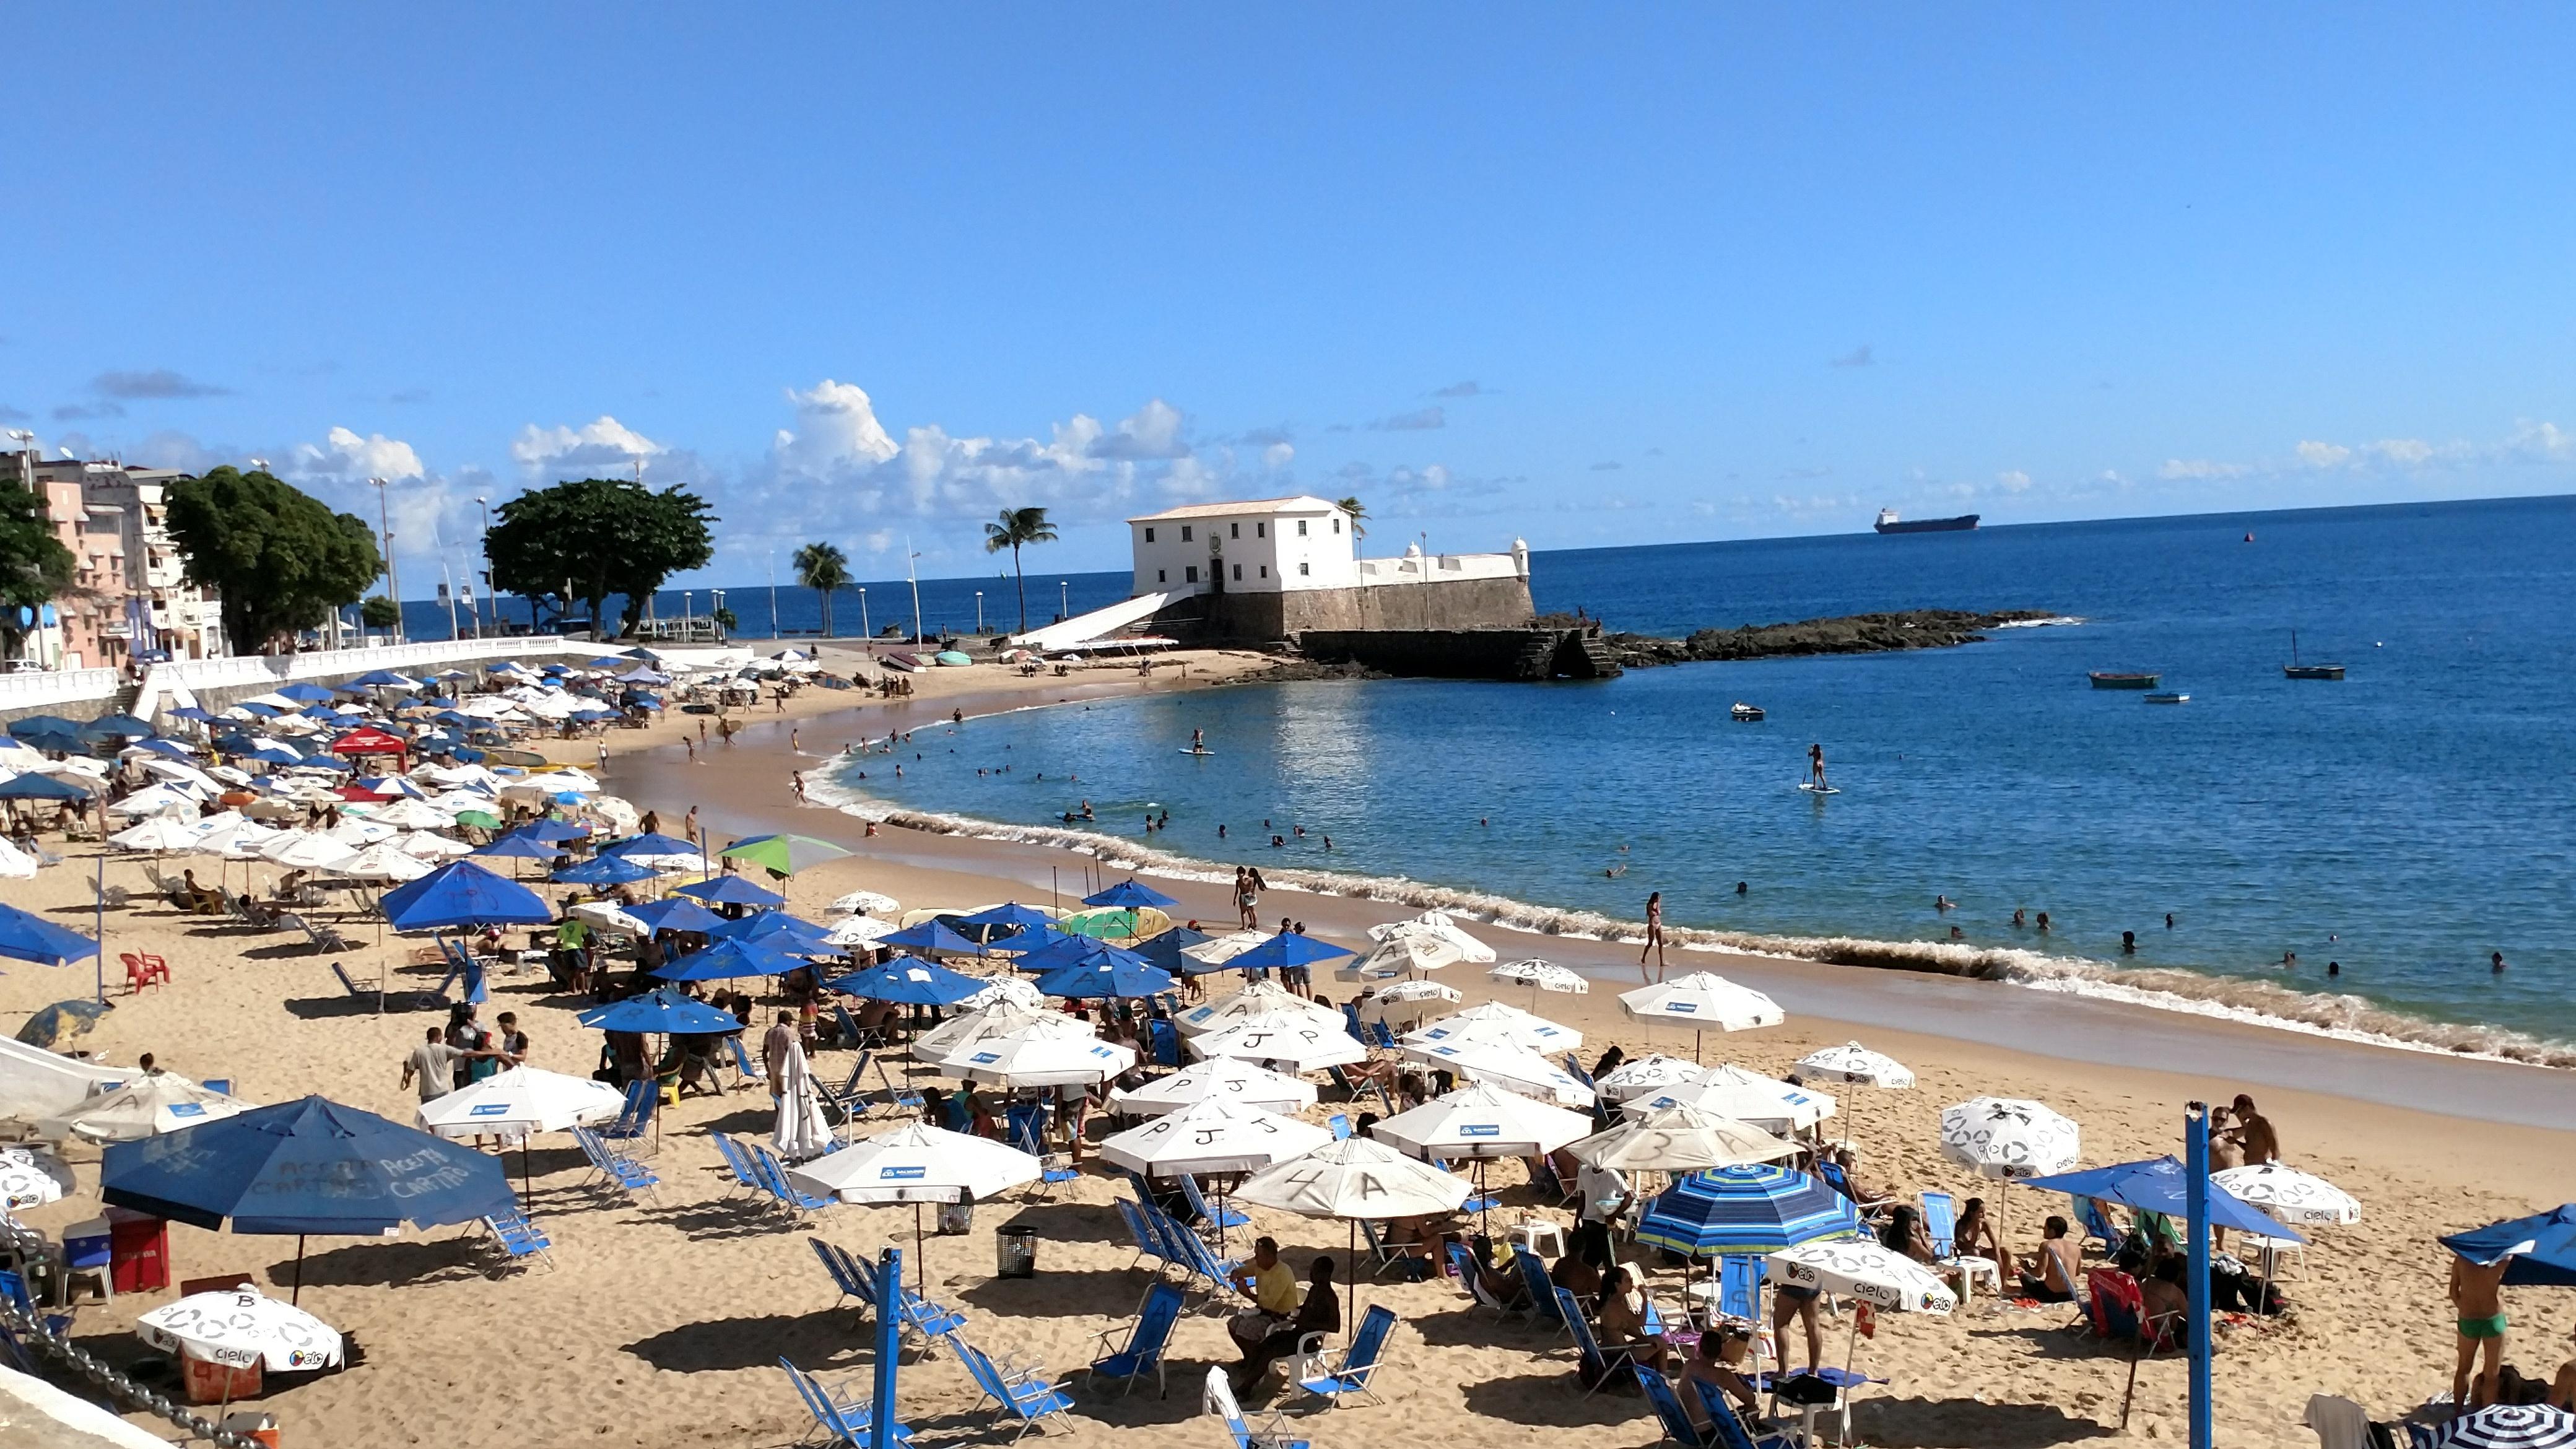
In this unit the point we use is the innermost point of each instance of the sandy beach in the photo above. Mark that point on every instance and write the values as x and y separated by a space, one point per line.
661 1321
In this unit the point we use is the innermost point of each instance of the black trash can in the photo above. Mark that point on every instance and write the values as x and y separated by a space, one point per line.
1015 1252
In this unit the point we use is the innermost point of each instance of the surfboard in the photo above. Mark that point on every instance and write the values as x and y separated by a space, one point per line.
1201 753
1813 789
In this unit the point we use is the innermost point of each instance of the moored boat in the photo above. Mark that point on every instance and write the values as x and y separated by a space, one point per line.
2120 679
2295 670
1748 713
2167 697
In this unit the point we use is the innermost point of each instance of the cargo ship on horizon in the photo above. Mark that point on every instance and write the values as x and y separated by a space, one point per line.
1888 522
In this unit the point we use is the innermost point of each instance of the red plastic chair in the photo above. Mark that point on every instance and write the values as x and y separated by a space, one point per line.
140 972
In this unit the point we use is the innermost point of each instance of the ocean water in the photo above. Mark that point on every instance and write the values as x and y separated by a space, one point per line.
2403 823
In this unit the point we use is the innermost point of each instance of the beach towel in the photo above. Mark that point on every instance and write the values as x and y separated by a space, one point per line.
801 1131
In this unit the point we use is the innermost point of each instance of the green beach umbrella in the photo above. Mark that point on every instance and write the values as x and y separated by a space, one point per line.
785 854
482 819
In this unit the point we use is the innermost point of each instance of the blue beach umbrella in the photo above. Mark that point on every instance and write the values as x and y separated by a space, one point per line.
193 714
28 937
994 923
2542 1246
1127 895
664 1012
1746 1210
676 914
655 844
608 870
733 890
553 832
519 845
383 679
1165 951
117 727
1288 948
461 893
41 787
909 981
1057 954
1107 978
62 1021
311 1166
305 693
173 748
778 929
43 724
726 960
2159 1185
931 935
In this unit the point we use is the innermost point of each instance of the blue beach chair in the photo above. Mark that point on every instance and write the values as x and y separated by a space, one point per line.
1349 1378
1031 1400
1146 1343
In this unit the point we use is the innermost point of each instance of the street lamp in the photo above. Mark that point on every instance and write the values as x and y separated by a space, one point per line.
393 581
489 592
1063 610
863 619
979 611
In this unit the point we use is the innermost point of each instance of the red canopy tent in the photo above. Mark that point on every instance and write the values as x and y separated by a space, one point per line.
369 740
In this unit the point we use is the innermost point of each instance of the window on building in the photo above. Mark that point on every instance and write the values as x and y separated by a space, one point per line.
1234 530
1149 535
1302 570
1185 533
1301 528
1337 523
1191 574
1162 576
1238 573
1265 571
1260 530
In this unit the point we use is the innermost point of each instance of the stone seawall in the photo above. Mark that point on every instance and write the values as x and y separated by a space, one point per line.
1510 654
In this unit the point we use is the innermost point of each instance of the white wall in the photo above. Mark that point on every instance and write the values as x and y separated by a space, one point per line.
1266 547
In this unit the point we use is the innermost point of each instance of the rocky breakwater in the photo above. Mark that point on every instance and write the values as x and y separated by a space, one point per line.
1851 634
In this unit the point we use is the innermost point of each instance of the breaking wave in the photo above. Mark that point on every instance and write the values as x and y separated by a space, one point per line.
2254 1003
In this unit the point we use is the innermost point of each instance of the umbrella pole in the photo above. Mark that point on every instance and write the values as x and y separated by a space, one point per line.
1351 1313
296 1296
920 1259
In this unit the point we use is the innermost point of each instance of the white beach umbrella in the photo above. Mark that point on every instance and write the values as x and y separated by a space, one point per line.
1030 1059
1217 950
1731 1091
1408 955
1648 1076
1286 1042
1016 990
1257 1000
864 903
1439 925
858 931
568 777
357 832
141 1107
1497 1021
1218 1079
1356 1179
305 850
1211 1136
1506 1064
239 840
514 1103
16 864
153 800
429 846
1857 1065
985 1023
917 1163
180 772
239 1327
1407 1001
160 834
1679 1140
609 916
1541 976
2008 1137
1702 1001
32 1177
410 814
1482 1121
385 862
1864 1270
2297 1198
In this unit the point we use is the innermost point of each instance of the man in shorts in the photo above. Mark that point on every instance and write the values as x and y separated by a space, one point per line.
2477 1299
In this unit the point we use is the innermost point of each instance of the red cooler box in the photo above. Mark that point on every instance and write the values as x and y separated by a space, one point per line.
212 1383
139 1250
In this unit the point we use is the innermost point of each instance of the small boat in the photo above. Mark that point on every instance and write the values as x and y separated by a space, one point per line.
1888 522
2295 670
2115 679
2166 698
1747 713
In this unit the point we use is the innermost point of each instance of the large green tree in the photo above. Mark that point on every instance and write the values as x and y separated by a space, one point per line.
280 557
823 568
1019 526
588 538
35 568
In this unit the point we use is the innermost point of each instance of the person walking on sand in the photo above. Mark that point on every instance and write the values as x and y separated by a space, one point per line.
1654 937
2477 1302
1816 765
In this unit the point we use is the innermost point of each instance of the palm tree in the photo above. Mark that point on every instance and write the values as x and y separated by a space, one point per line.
822 567
1019 526
1358 514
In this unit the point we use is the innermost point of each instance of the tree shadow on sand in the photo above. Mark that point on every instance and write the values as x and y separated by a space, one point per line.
1919 1423
821 1341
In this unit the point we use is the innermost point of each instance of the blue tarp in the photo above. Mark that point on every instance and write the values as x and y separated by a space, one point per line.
25 936
2543 1247
312 1166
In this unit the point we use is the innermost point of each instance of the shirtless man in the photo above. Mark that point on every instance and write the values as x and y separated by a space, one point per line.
2478 1303
2253 1132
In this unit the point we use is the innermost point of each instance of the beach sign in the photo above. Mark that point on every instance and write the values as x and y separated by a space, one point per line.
913 1173
1481 1129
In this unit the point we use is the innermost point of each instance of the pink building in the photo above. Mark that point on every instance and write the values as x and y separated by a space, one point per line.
91 624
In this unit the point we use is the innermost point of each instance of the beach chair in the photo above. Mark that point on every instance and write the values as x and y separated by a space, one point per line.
1351 1022
1197 1260
901 1097
852 1034
327 940
2097 1225
773 1176
1031 1400
1669 1413
519 1238
1593 1366
843 1419
1333 1380
1147 1341
1381 1035
1053 1167
1726 1431
1219 1218
737 1165
1341 1125
635 1119
2117 1311
1217 1398
840 1268
138 975
1163 1042
1149 1244
746 1071
618 1171
1547 1184
1941 1225
1462 1262
1545 1307
1381 1257
1739 1287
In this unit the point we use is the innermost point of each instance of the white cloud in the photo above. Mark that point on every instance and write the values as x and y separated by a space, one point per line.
1278 456
836 427
2201 468
604 442
343 454
1154 432
2322 455
2013 480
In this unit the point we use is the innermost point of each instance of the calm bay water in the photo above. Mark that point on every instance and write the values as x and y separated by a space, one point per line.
2403 823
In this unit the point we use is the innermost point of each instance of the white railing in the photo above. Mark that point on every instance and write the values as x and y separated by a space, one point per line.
1416 568
38 688
178 681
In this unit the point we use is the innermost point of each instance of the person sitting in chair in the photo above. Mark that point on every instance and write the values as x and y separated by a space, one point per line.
1320 1315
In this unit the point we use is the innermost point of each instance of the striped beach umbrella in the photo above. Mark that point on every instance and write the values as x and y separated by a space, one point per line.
1740 1210
2509 1426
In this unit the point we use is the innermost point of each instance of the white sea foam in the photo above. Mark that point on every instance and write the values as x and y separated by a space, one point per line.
2052 621
2254 1003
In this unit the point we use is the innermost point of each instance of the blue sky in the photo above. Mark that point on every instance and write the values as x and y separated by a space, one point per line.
1596 276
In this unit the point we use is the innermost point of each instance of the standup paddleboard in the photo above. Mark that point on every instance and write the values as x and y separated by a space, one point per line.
1818 789
1201 753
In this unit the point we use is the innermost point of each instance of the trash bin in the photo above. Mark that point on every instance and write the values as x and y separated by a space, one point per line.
956 1219
1015 1250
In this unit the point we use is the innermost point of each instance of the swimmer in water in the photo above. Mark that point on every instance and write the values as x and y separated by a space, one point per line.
1816 766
